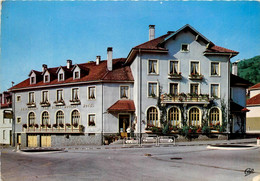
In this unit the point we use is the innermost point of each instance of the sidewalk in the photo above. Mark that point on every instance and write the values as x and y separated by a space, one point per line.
186 143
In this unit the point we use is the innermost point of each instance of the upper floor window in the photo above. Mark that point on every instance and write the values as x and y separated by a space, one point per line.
45 96
152 89
174 67
173 88
76 75
46 78
184 47
18 98
31 119
59 95
124 92
45 118
194 68
194 88
75 94
215 69
59 118
18 120
75 116
61 77
153 67
92 93
31 97
214 90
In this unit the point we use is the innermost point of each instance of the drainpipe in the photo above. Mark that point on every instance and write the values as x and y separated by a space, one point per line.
102 129
140 96
13 121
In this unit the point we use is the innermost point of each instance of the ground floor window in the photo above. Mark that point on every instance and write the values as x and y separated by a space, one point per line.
75 116
45 118
214 116
194 117
152 116
31 119
173 116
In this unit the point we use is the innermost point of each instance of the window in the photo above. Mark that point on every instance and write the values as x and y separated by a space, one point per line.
32 80
214 116
75 116
173 116
46 78
18 120
174 67
45 118
215 68
76 75
194 88
92 93
214 90
194 69
91 120
18 98
153 67
59 118
75 94
45 96
124 92
61 77
31 119
59 95
4 134
31 97
173 88
194 117
152 89
152 116
184 47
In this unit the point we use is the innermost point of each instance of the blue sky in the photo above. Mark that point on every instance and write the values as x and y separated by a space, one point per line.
36 33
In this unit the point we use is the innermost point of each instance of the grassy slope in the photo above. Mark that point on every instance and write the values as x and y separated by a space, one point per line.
249 69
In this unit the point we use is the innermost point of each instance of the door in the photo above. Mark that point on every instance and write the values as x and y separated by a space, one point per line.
32 141
124 123
46 140
19 139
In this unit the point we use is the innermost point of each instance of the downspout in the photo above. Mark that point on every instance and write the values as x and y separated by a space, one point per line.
140 90
13 121
102 124
229 99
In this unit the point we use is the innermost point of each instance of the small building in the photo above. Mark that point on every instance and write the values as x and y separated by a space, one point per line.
6 118
253 116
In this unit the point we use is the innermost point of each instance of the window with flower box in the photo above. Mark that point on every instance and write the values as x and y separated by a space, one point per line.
31 119
45 118
60 118
75 117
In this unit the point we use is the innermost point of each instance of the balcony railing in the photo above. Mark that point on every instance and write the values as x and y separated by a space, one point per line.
65 129
183 98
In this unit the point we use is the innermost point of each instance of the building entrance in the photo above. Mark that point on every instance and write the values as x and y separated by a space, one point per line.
124 123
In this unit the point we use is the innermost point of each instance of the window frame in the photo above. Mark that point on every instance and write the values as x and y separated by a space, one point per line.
42 96
63 120
28 118
156 68
72 98
59 79
71 117
169 66
210 88
188 48
197 121
92 114
178 87
194 61
18 117
95 93
62 94
48 120
179 116
75 73
20 97
193 84
157 87
157 122
218 75
30 96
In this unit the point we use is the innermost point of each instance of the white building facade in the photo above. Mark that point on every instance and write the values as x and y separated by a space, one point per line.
81 103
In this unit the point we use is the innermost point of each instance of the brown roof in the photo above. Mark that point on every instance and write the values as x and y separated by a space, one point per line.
234 107
122 105
218 49
256 86
253 100
238 81
95 73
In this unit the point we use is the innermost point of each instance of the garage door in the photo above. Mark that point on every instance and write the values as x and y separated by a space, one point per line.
32 141
46 140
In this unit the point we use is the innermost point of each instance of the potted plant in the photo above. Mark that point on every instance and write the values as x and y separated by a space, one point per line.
54 125
68 124
75 125
61 125
48 126
36 125
24 125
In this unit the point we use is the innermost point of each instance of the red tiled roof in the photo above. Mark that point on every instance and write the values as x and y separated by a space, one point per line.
253 100
218 49
122 105
256 86
96 73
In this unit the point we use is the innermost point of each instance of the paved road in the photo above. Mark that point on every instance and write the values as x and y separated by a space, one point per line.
180 163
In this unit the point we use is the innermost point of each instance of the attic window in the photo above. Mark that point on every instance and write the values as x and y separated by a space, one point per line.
32 80
76 76
61 78
184 47
46 78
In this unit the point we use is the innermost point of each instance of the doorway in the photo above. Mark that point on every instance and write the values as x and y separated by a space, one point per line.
124 123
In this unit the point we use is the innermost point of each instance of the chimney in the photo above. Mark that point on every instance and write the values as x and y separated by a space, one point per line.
44 66
98 58
109 58
234 68
151 32
69 63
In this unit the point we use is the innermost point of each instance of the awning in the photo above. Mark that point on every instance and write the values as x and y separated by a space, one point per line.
122 106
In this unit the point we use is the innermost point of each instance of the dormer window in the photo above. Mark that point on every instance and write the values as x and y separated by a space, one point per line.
33 80
46 78
184 47
61 77
76 75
